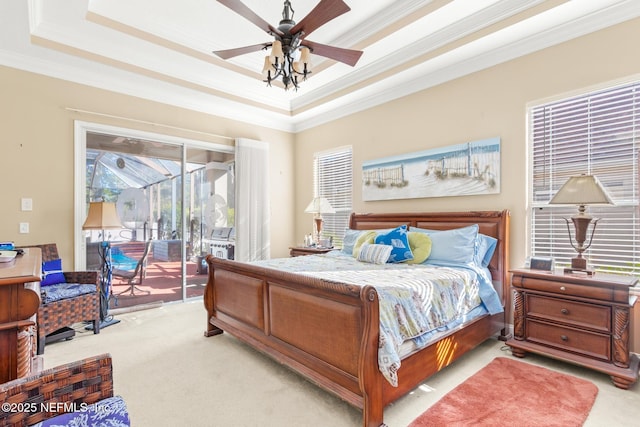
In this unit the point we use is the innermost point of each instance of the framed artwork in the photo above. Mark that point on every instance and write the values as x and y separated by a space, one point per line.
471 168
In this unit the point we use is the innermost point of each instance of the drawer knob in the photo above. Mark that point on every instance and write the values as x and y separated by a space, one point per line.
562 288
564 338
564 311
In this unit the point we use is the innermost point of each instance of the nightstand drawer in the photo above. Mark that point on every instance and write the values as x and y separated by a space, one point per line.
592 316
584 319
589 344
561 288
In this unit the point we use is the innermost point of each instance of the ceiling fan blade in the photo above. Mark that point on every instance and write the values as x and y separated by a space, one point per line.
347 56
241 9
230 53
324 12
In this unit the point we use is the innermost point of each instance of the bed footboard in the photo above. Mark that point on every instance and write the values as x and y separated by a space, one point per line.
329 331
326 331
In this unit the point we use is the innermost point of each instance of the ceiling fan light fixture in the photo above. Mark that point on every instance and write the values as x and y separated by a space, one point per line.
305 55
277 55
289 59
267 68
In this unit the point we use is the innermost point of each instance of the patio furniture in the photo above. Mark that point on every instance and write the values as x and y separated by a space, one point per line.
64 394
134 277
64 304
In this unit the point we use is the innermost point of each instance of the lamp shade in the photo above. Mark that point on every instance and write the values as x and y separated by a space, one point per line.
319 205
102 216
582 190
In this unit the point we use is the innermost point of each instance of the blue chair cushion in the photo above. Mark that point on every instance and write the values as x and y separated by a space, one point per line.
109 412
60 291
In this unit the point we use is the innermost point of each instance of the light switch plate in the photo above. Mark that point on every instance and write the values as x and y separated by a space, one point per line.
24 227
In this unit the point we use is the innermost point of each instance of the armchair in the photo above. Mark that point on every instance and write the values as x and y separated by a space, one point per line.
64 392
66 308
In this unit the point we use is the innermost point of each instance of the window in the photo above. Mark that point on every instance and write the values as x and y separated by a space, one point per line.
596 133
333 179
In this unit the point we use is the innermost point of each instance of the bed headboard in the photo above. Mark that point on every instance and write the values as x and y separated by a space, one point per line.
491 223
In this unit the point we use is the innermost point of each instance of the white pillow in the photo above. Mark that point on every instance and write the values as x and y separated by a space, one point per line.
375 254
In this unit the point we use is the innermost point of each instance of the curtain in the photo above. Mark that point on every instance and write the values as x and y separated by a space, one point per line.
252 215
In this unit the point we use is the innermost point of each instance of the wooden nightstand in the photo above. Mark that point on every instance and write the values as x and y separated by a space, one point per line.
579 319
303 250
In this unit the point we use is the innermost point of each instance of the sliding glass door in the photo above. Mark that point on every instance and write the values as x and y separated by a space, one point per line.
173 199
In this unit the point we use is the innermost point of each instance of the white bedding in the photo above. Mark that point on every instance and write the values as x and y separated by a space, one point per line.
417 302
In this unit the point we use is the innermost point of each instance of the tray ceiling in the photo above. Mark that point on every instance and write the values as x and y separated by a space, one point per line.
161 49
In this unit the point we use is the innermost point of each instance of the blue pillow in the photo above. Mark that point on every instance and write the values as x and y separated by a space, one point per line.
486 248
52 273
456 246
349 240
399 240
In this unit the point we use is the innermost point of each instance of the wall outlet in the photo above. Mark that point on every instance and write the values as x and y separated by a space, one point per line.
27 204
24 227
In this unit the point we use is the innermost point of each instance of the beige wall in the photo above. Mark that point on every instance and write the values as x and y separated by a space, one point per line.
490 103
486 104
37 152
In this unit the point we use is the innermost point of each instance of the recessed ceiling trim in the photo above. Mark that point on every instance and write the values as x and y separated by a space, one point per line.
373 71
168 64
378 93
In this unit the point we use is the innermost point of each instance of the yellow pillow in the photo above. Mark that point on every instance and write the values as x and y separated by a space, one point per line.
420 244
365 237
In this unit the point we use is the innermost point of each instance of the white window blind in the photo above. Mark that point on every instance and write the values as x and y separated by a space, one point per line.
333 179
596 133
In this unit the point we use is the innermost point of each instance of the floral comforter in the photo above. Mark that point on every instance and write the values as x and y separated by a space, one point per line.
415 300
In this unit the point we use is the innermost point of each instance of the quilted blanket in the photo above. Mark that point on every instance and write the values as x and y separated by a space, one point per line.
415 300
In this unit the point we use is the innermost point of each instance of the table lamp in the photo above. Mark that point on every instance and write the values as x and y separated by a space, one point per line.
581 190
318 206
103 216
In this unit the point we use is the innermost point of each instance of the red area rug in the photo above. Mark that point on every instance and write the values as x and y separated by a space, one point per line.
507 392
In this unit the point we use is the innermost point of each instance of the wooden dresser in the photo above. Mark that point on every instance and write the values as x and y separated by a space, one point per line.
585 320
19 302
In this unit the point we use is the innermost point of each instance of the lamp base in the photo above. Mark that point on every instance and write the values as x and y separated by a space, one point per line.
579 265
569 270
103 324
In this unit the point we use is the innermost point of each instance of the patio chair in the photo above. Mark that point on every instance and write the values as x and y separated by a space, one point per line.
64 304
134 277
62 396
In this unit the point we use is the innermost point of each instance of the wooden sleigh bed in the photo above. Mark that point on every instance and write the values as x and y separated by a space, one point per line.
328 331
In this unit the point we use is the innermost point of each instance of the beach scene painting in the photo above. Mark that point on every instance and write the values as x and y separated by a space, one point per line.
470 168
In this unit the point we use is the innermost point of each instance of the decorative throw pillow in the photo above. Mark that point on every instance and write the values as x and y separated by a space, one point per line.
365 237
420 244
52 273
456 246
399 240
375 254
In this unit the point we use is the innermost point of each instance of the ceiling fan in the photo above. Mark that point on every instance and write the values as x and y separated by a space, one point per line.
290 51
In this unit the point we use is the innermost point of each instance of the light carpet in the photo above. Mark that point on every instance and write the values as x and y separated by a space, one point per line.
509 392
171 375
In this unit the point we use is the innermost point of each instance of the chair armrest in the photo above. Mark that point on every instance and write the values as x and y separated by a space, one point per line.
85 277
29 400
